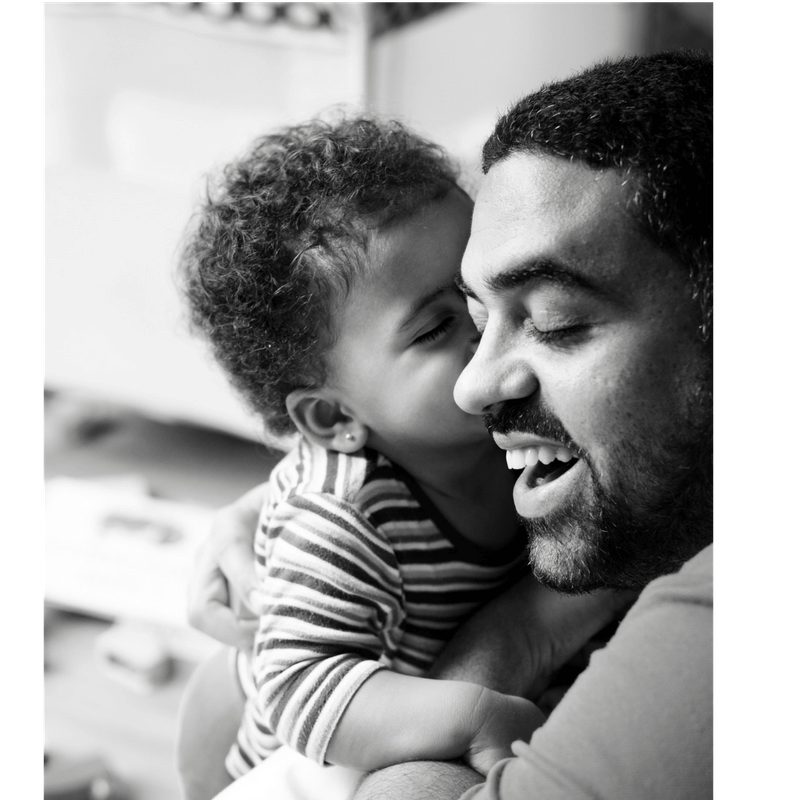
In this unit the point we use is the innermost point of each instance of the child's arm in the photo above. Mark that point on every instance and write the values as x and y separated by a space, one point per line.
333 598
394 718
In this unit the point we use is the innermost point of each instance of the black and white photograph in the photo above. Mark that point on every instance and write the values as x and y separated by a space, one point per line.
378 404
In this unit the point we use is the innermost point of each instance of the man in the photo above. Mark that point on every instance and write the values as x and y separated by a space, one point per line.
588 274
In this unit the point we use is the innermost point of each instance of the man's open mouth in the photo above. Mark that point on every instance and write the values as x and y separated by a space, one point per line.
549 463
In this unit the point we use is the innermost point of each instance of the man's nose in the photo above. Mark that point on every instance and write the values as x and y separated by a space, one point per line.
496 373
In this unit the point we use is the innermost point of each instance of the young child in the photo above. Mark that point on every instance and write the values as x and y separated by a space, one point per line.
321 270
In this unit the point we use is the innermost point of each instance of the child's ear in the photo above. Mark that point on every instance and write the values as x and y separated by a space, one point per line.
325 421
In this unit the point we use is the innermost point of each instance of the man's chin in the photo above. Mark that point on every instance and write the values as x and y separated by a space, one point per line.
563 561
598 540
606 551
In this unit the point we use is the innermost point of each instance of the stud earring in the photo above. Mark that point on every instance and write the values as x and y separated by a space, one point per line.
349 437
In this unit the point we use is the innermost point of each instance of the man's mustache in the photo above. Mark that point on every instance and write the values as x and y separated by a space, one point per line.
528 416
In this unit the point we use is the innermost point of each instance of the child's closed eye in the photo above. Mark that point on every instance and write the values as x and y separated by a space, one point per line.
436 332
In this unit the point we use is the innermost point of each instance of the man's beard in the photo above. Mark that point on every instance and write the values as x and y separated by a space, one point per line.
645 520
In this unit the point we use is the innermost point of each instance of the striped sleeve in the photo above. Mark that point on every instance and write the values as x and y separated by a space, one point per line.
332 592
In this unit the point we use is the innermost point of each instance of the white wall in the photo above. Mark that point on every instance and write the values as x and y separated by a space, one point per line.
452 74
140 104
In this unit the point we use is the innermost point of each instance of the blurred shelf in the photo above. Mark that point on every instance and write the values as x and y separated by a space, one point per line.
179 462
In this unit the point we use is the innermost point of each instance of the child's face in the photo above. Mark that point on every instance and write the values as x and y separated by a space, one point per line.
405 335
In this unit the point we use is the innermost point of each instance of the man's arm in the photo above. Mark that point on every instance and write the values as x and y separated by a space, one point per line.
637 723
513 645
518 641
418 780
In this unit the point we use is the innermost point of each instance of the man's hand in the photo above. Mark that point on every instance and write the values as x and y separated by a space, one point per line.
223 592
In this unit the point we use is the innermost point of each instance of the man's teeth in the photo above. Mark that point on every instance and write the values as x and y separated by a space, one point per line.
531 456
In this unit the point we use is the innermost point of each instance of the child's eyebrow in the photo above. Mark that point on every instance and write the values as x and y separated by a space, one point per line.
421 304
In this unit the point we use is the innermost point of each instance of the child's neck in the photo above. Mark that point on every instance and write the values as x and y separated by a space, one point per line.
471 487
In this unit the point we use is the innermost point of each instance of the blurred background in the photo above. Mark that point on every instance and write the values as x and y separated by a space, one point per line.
143 437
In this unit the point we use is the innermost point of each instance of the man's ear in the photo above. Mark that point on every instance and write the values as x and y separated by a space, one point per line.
325 421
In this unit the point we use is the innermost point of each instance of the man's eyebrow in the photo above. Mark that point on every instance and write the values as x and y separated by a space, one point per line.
538 270
421 304
462 287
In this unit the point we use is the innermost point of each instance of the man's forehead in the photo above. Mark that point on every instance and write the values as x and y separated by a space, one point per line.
527 184
539 206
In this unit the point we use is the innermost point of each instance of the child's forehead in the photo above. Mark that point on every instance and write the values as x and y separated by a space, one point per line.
417 255
439 224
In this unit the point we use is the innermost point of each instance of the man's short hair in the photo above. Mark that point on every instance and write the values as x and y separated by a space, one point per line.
650 118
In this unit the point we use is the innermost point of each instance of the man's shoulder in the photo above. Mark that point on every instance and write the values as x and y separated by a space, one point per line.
692 584
702 565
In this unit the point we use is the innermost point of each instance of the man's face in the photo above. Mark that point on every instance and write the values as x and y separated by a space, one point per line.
589 359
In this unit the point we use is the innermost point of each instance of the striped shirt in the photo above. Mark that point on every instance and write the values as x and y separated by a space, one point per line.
358 572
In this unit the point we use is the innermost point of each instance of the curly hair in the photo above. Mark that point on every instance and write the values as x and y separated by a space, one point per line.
280 237
650 117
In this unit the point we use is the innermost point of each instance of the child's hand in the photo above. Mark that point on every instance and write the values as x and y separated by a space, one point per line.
224 571
500 720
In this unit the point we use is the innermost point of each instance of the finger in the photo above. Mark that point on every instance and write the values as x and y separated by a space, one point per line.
210 611
233 532
208 597
237 565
